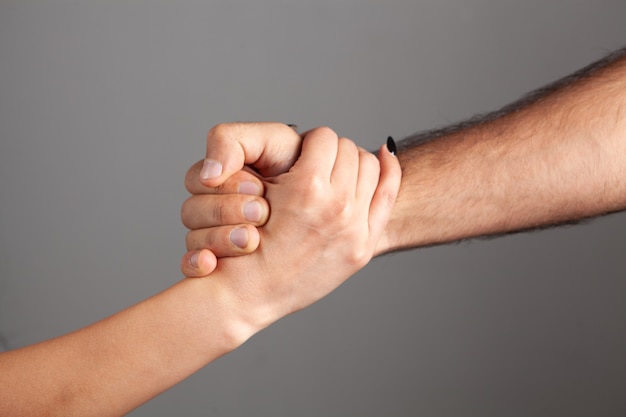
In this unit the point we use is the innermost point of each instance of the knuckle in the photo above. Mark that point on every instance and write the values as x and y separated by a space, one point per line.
341 210
209 238
322 206
359 256
220 134
225 188
324 131
370 159
200 239
348 143
314 190
218 214
218 130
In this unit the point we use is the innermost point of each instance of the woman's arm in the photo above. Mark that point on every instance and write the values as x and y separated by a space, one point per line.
116 364
318 236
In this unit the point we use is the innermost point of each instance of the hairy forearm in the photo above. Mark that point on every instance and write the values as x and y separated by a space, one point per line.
556 156
114 365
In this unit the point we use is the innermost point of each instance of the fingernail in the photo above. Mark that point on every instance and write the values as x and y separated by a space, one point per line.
252 211
194 259
210 169
249 187
391 145
239 237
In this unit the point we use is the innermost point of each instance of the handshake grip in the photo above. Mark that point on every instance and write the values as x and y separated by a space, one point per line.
242 161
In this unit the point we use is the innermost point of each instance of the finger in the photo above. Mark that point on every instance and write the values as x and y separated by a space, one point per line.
369 175
346 169
241 182
319 151
386 192
225 240
271 148
208 210
198 263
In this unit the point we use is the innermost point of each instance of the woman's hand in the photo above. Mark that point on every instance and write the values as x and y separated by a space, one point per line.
327 213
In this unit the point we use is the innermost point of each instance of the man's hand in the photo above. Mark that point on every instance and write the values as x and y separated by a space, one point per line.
227 193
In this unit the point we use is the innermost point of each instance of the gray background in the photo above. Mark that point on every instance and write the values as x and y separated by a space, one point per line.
104 105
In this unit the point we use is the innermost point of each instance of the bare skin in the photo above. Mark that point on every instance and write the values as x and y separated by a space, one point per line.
329 209
557 156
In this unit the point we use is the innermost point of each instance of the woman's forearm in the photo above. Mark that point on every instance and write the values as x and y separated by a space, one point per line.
557 156
318 237
115 365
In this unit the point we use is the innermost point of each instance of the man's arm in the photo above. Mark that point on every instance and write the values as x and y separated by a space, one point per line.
558 155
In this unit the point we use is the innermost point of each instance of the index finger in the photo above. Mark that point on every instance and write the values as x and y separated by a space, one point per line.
242 182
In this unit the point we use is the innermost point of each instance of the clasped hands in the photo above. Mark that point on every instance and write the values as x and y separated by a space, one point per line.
307 210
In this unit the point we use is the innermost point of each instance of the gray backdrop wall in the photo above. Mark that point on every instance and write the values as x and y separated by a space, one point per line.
104 105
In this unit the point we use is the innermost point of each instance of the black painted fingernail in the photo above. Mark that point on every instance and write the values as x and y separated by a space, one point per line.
391 145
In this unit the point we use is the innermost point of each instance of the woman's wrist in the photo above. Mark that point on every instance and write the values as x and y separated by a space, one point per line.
227 317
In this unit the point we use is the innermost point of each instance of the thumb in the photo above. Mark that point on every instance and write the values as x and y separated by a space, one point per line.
270 148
